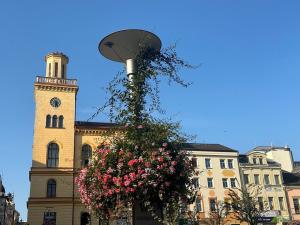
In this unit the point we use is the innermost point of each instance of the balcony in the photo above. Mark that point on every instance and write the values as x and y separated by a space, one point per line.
52 80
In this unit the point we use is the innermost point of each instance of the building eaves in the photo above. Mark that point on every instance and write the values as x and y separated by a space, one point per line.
94 125
206 147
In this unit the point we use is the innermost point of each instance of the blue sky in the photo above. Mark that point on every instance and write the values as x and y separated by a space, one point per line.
245 93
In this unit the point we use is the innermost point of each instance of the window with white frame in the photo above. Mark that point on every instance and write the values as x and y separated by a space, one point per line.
246 178
225 182
277 179
267 179
233 182
212 204
210 183
198 204
281 203
256 179
230 163
208 163
271 203
222 163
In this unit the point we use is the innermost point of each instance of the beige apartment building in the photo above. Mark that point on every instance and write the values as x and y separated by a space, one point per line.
218 169
266 176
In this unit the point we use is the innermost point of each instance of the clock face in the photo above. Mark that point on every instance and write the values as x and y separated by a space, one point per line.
55 102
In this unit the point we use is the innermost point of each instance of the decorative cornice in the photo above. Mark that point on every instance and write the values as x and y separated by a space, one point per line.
56 87
91 132
58 200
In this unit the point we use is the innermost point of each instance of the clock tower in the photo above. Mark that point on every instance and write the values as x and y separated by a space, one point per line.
52 171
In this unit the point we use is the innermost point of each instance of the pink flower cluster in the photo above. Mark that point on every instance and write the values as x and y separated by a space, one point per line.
118 174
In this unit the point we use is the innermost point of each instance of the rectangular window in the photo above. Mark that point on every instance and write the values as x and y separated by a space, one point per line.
296 205
260 161
225 182
210 182
276 178
271 203
260 203
207 164
50 218
55 69
246 178
256 178
281 203
232 182
230 163
194 162
196 182
267 179
212 204
222 163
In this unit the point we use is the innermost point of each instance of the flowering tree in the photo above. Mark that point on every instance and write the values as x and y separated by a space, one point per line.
145 162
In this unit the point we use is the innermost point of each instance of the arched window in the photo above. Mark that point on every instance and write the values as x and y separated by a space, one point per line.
85 219
60 121
54 121
86 154
52 155
48 121
51 189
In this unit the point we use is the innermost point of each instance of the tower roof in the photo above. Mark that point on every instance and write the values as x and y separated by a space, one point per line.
59 54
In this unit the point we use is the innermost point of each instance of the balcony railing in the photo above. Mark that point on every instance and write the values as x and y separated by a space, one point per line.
52 80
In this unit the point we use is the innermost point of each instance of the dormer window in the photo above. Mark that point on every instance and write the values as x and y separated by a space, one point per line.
254 160
261 161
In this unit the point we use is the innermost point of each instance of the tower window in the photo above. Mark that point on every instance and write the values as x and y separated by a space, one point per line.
86 154
48 121
49 70
61 122
55 69
52 155
63 71
54 121
51 189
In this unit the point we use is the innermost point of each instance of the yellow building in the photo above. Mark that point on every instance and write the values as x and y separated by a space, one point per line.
60 147
264 174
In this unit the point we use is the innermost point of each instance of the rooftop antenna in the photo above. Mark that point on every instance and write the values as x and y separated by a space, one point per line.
125 45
